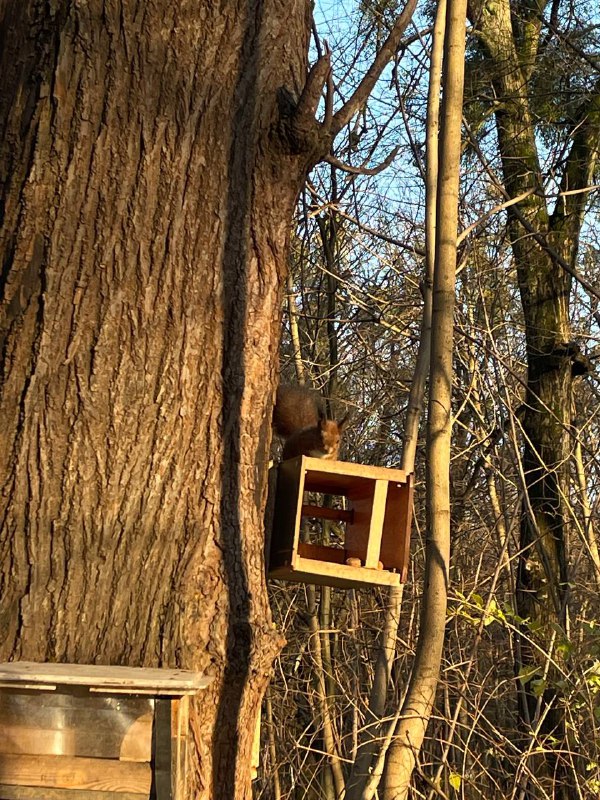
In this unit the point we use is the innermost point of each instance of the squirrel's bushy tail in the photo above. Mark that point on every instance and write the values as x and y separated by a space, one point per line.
296 408
299 418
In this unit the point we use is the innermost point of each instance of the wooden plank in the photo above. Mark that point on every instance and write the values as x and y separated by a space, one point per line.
395 543
327 513
64 724
127 691
406 523
35 793
180 715
28 702
287 513
360 500
106 678
46 687
269 517
320 552
135 745
64 772
351 470
376 525
340 575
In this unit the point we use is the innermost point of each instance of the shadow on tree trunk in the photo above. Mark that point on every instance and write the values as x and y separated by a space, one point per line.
234 291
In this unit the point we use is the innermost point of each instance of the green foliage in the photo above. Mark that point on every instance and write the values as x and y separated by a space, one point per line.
527 673
558 86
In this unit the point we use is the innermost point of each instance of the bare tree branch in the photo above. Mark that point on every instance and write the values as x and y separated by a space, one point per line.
383 57
362 170
577 176
311 94
539 237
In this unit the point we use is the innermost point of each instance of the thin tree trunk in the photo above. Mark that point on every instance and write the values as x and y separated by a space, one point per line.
589 534
295 333
417 390
417 706
362 769
273 748
330 738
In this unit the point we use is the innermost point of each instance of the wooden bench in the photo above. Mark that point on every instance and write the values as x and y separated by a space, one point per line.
83 732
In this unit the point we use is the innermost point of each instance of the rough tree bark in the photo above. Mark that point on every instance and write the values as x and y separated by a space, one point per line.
150 157
146 200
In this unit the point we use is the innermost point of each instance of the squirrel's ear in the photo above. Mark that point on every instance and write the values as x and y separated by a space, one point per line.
343 422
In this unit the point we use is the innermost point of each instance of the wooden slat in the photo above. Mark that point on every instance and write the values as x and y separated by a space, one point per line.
64 724
127 691
103 678
395 543
357 533
376 526
35 710
137 742
287 513
162 751
341 575
269 518
38 687
327 513
135 745
63 772
35 793
347 469
180 715
320 552
27 702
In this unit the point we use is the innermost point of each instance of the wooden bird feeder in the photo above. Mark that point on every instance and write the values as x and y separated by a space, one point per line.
79 732
375 547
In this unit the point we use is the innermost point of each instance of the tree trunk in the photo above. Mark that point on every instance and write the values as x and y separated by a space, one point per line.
420 695
146 198
544 246
363 773
150 159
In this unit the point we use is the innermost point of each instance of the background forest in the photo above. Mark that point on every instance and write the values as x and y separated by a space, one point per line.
352 326
173 176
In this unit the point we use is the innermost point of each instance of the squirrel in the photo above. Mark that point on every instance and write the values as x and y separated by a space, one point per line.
299 418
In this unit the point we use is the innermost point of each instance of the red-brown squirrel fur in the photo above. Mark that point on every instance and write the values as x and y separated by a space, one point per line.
299 418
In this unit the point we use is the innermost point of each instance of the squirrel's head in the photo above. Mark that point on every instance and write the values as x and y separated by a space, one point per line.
331 434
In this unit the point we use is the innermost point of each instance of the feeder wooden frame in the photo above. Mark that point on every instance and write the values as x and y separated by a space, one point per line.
378 520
